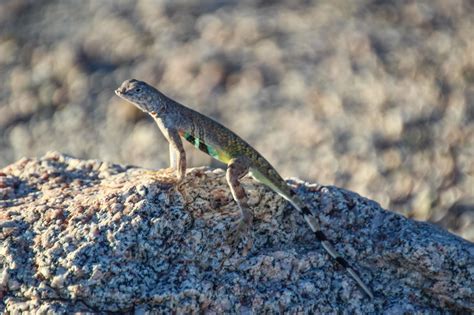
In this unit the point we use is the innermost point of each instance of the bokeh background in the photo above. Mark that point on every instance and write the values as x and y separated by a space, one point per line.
373 96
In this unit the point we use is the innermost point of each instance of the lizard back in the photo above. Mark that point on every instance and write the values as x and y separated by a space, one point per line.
223 144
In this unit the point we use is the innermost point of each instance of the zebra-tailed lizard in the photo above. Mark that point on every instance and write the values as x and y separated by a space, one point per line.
177 121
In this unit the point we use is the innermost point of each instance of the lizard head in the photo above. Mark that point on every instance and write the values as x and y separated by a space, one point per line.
138 93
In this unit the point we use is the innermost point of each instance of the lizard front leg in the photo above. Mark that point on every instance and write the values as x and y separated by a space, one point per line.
172 169
173 157
236 169
177 155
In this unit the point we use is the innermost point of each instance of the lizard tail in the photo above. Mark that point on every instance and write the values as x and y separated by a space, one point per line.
282 190
313 224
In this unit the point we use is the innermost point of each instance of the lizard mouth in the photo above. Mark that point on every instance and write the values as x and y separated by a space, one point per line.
121 91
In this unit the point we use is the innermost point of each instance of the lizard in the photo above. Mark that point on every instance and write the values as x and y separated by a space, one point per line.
177 121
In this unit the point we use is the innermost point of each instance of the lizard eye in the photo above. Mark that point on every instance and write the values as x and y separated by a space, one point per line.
138 90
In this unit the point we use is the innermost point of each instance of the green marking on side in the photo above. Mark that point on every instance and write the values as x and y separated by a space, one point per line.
198 144
213 152
188 137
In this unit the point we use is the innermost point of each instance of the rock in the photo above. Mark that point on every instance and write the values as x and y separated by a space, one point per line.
381 92
89 236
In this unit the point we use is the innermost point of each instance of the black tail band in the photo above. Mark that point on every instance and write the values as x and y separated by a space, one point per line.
342 262
320 236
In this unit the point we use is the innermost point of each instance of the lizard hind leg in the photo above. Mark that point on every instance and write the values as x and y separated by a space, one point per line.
236 169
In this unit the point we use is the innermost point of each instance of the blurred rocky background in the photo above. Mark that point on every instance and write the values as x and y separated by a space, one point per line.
373 96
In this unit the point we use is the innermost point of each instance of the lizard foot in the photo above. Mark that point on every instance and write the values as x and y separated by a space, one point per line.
233 239
241 228
166 177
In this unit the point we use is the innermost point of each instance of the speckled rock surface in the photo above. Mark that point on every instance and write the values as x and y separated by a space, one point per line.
84 235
